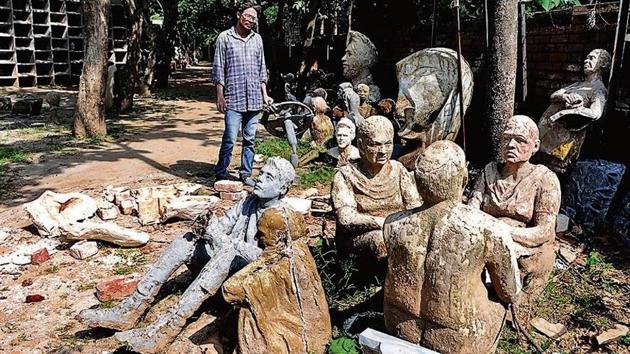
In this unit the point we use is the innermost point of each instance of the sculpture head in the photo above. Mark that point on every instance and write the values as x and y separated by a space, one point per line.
596 61
275 179
428 82
360 57
376 141
386 106
247 14
519 141
319 105
345 132
277 227
350 98
320 92
364 91
441 172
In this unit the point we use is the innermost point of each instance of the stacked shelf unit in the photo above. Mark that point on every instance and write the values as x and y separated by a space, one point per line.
41 41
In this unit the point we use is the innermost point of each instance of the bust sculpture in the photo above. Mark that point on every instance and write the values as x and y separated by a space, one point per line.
363 194
361 56
321 125
428 99
228 244
525 195
282 304
365 106
344 153
564 124
351 103
434 294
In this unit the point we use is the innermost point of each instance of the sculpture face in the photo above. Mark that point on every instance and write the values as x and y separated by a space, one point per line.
376 141
519 140
274 180
596 60
360 55
344 136
364 91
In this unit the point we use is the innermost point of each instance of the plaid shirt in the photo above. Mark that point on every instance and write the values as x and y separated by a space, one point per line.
239 65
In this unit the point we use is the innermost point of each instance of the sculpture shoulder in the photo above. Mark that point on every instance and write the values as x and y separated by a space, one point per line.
547 176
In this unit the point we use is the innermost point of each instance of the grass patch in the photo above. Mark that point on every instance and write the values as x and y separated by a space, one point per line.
86 287
52 270
311 176
108 304
279 147
11 155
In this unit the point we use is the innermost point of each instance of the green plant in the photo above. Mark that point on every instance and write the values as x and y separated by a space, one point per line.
343 345
9 155
549 5
279 147
316 175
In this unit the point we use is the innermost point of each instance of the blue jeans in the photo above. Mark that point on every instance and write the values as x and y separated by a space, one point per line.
234 121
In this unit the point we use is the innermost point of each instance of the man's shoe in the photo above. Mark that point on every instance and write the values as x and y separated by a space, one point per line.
249 181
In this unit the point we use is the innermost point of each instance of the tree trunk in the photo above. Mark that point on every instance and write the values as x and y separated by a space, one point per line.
134 24
166 43
149 42
502 66
89 117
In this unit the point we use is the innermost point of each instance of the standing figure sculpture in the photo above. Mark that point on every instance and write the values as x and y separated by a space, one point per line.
365 107
364 194
564 124
361 56
428 99
283 306
322 128
228 244
351 103
344 153
434 294
524 195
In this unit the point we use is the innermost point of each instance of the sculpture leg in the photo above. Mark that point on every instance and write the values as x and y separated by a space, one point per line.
289 128
160 334
128 312
535 270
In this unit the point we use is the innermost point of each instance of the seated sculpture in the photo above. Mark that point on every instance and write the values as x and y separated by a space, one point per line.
321 126
434 293
428 99
228 244
283 307
363 194
359 59
525 195
573 108
344 153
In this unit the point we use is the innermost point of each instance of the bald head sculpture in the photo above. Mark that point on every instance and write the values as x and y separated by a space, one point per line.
519 140
376 141
441 172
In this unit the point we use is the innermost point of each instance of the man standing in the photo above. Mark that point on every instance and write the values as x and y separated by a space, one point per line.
240 76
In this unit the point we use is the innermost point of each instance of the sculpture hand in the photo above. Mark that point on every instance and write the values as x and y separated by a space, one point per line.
573 100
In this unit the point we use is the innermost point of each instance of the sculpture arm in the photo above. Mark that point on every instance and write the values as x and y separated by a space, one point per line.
501 262
546 208
224 224
476 197
345 205
235 287
408 189
558 96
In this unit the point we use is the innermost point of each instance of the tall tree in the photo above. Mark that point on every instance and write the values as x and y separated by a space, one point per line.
167 40
502 61
135 19
89 116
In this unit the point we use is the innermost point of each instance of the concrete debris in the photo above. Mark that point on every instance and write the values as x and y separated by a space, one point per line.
4 234
107 210
611 335
298 204
40 256
84 249
551 330
148 210
311 192
375 342
116 289
567 254
562 223
232 196
187 207
228 186
21 255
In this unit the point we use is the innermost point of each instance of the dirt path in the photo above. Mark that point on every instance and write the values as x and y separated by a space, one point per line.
174 137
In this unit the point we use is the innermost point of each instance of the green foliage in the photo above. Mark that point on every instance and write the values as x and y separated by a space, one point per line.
343 345
316 175
549 5
9 155
279 147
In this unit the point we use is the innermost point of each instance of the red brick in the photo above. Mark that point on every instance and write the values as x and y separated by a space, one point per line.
116 289
34 298
40 256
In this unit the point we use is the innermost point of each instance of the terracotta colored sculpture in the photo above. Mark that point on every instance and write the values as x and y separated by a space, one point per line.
228 244
572 110
322 128
365 107
428 99
361 56
283 309
363 194
434 294
344 153
351 103
524 195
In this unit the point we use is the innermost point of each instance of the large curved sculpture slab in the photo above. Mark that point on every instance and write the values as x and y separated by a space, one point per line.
428 99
